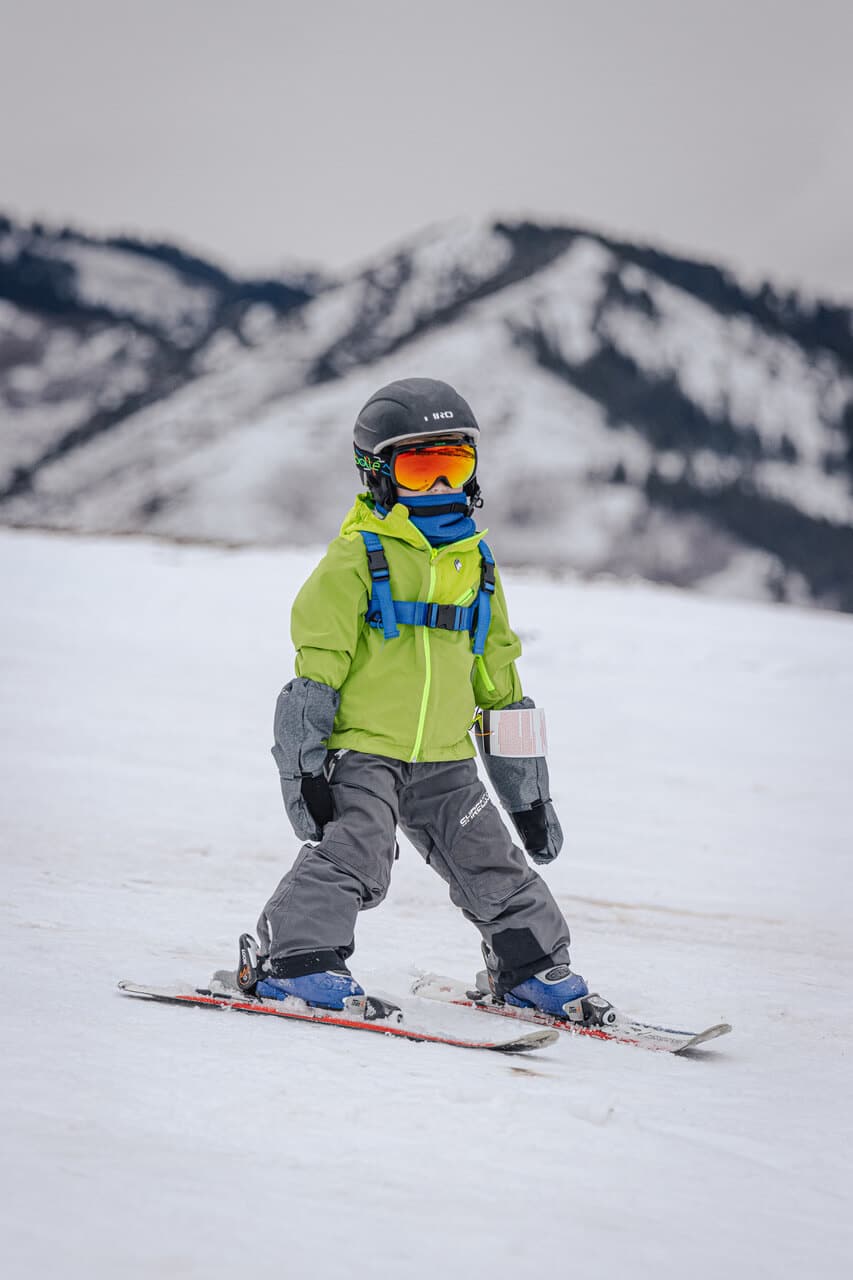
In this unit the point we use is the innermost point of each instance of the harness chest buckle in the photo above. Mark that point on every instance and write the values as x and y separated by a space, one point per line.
442 617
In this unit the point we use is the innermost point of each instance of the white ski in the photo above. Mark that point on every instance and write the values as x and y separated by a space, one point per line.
614 1026
361 1014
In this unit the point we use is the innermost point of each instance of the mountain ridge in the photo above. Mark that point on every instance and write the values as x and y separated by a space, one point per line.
650 415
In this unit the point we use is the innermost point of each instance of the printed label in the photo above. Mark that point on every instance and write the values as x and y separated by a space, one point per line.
472 813
519 732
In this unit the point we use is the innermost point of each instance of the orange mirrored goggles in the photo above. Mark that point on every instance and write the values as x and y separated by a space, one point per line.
419 467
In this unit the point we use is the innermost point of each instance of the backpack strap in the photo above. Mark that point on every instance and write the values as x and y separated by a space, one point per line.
380 611
484 597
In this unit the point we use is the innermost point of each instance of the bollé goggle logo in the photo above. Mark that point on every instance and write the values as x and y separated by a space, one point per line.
369 462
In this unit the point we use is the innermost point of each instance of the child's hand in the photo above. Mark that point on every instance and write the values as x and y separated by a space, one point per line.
540 831
317 795
302 819
524 790
304 718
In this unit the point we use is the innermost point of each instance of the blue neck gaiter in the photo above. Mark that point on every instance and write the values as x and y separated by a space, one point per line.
441 517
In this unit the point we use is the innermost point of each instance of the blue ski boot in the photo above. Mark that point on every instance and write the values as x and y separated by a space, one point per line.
325 990
557 991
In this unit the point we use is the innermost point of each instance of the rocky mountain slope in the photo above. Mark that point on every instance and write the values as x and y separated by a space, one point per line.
642 414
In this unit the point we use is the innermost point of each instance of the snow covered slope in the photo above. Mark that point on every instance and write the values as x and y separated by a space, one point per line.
643 415
699 751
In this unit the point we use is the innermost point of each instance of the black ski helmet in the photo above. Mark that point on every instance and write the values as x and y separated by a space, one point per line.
412 409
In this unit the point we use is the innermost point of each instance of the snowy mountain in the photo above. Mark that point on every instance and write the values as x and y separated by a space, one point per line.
92 330
697 753
642 414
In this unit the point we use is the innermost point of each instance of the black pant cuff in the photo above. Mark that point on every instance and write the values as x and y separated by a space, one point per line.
306 962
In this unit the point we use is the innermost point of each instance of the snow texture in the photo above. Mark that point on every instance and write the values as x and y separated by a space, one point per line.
698 753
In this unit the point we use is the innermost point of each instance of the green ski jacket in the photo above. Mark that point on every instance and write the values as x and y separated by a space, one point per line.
414 697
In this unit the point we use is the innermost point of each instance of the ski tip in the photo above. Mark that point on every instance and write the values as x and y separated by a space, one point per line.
702 1037
540 1039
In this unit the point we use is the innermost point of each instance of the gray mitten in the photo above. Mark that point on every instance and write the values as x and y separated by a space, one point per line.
304 719
524 791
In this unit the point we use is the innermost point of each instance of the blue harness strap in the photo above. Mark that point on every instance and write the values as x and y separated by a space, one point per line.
484 597
444 617
380 611
385 612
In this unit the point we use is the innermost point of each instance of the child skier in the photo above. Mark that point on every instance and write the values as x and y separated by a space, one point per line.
401 632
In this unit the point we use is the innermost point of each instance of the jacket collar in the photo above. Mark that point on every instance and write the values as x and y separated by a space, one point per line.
397 525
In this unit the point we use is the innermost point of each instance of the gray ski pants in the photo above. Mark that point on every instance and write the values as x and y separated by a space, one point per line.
445 811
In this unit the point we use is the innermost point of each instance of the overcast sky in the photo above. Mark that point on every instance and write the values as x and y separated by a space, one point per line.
269 131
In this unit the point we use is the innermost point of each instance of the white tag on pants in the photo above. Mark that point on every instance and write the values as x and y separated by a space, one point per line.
519 732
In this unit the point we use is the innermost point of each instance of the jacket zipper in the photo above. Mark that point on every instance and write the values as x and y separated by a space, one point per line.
427 664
